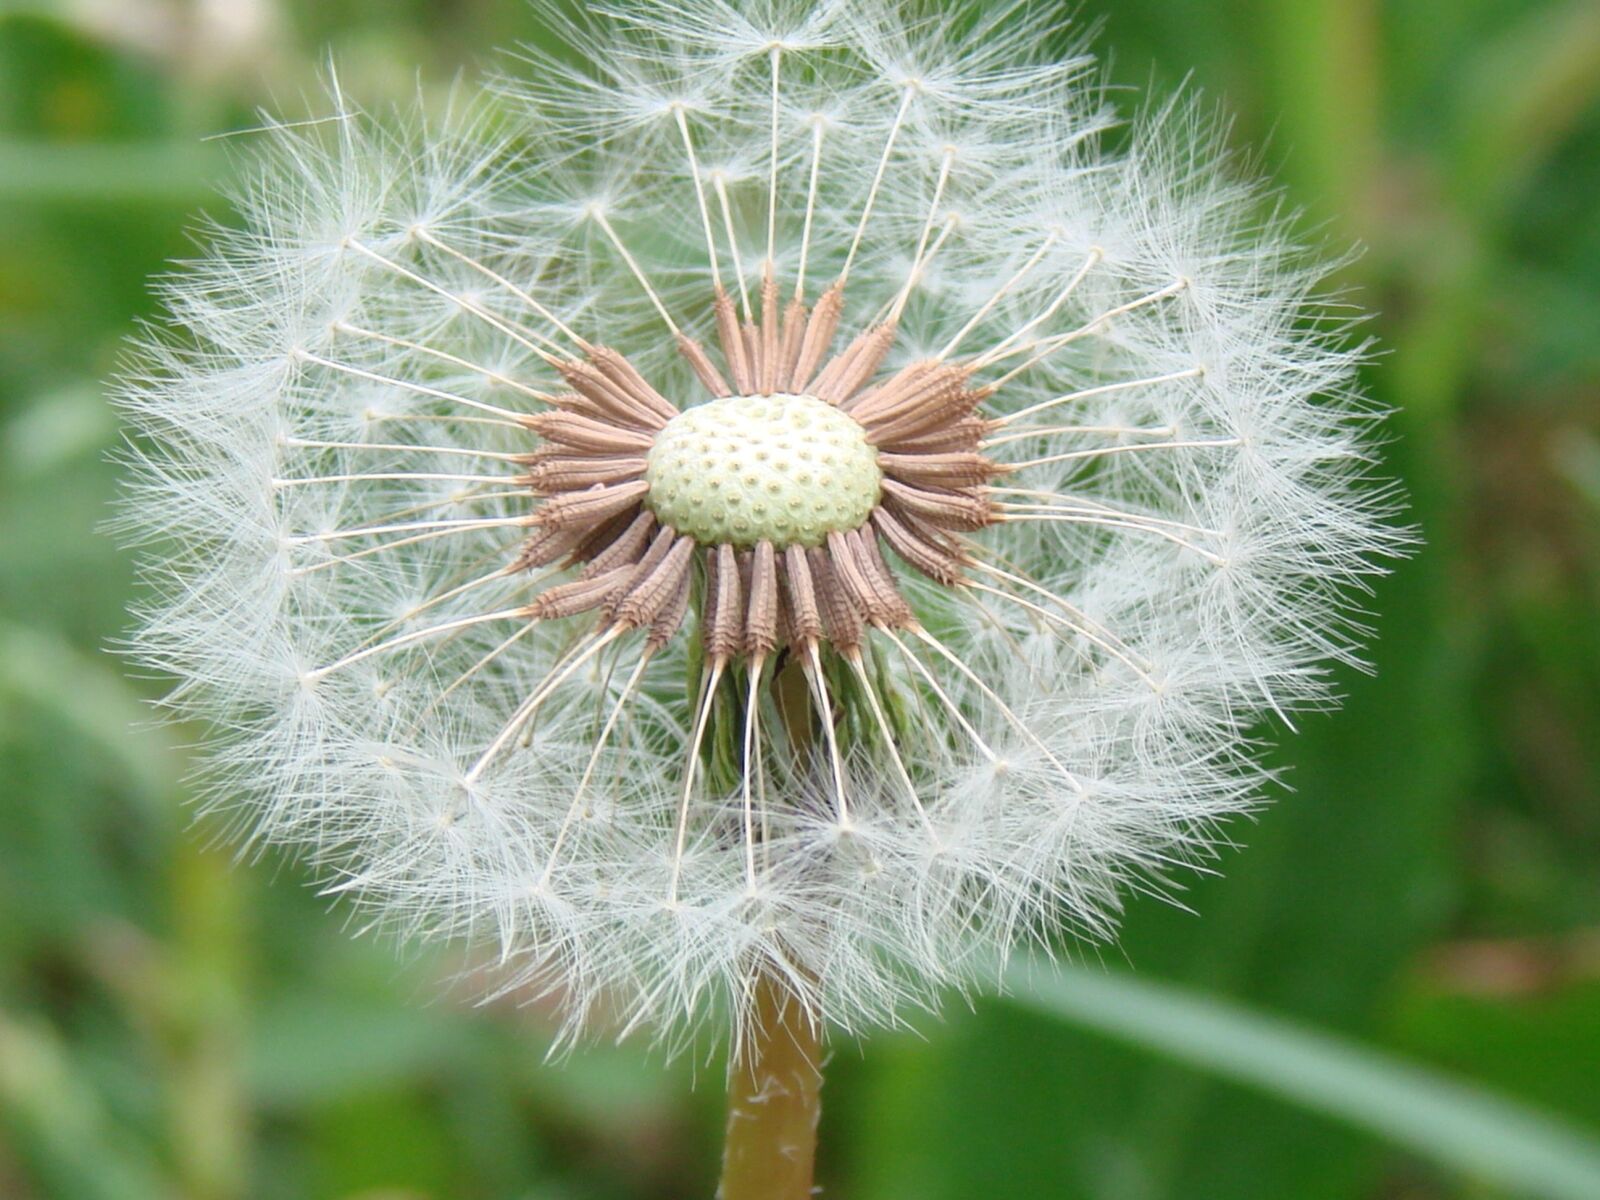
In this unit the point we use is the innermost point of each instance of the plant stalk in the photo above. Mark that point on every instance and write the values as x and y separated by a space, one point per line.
774 1101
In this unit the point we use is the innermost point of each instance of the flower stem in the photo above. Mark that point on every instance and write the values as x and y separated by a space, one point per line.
774 1101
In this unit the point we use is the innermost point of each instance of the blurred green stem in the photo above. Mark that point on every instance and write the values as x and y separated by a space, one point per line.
1325 78
206 1103
1529 90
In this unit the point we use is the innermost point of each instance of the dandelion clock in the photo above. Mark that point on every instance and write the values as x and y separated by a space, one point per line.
748 529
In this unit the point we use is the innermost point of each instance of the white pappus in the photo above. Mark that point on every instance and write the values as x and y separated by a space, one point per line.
1037 475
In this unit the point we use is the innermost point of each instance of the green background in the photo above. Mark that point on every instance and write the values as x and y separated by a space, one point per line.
173 1024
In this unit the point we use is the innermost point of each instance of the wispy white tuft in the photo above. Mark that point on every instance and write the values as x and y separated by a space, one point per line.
322 482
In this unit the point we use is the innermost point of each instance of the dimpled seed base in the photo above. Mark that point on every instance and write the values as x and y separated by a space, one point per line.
744 469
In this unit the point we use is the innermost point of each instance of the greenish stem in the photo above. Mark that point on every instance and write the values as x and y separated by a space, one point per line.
774 1100
775 1068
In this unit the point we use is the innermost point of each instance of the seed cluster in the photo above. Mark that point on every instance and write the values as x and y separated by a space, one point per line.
786 469
790 480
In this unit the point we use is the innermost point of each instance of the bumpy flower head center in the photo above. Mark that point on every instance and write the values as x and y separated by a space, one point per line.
785 469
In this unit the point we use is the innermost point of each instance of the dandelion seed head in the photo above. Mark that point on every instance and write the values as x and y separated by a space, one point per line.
782 496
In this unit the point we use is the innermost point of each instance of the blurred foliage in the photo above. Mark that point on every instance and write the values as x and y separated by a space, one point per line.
175 1025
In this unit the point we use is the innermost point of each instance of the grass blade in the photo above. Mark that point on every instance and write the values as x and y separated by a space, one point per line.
1462 1127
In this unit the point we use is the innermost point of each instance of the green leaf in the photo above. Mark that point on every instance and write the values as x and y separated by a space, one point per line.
1460 1126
